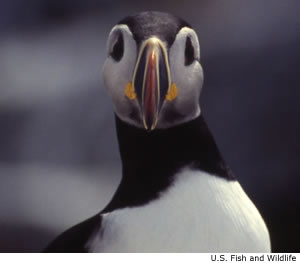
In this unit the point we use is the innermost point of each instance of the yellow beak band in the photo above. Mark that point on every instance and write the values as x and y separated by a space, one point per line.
171 95
129 91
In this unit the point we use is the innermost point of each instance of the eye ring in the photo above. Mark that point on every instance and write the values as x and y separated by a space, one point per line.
117 50
189 53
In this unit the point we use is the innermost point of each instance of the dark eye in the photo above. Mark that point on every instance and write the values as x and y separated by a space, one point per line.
189 52
118 48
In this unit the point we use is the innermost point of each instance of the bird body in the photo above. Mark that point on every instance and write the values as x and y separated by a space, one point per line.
199 212
176 193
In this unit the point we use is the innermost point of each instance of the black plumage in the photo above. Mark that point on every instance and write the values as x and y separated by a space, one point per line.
150 160
74 239
146 24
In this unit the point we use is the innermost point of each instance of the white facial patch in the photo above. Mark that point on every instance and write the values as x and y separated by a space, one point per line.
117 74
188 79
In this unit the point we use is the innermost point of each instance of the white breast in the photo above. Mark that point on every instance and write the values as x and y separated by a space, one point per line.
199 213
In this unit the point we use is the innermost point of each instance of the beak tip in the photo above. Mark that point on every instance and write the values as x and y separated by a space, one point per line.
145 125
149 127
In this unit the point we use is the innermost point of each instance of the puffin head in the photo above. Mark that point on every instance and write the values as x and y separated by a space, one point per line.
152 71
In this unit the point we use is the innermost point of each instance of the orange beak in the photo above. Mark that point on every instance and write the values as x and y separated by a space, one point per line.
151 80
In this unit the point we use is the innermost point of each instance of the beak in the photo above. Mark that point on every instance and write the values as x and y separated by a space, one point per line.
151 80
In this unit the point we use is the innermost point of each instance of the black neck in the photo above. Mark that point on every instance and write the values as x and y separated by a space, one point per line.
150 159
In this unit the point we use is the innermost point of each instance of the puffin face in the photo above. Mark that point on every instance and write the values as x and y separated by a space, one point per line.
152 71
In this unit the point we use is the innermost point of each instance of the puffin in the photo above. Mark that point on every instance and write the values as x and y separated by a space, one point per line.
177 194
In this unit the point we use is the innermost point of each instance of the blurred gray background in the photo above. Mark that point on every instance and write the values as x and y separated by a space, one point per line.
59 161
